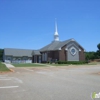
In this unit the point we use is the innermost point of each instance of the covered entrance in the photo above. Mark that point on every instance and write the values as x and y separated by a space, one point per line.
36 57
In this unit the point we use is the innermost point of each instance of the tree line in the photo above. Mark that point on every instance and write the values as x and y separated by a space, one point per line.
93 55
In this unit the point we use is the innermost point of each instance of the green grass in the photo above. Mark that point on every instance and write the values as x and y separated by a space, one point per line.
27 65
71 64
3 68
40 65
58 64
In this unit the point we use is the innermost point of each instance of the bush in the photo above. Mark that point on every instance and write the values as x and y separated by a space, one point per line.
44 62
72 62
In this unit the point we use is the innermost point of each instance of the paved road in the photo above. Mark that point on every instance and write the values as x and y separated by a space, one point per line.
50 83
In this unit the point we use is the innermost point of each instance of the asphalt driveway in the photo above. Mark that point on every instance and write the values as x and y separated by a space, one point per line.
50 83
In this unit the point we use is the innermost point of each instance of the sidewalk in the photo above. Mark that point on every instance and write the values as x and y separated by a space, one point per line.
9 65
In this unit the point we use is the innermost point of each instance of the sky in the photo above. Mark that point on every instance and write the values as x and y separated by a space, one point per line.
30 24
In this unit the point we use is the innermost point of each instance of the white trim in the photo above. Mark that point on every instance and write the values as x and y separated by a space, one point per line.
79 49
66 49
59 48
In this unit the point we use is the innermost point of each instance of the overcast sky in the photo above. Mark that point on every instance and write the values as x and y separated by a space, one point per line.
30 24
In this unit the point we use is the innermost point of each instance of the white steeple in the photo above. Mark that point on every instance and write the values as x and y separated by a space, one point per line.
56 35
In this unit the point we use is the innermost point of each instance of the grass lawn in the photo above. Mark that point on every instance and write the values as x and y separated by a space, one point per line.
71 64
58 64
43 65
3 67
28 65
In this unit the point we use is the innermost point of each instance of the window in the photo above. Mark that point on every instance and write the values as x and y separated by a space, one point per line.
14 58
73 51
8 58
25 58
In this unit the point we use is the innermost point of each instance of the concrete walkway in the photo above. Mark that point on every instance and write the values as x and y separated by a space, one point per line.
9 65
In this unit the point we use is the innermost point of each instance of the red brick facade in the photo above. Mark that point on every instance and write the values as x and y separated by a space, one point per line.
61 55
81 55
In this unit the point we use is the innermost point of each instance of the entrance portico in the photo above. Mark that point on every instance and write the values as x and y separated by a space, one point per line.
36 56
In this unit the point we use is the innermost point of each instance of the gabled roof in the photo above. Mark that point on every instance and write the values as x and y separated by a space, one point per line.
18 52
56 45
36 52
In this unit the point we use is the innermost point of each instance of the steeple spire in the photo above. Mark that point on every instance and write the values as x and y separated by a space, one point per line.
56 36
56 31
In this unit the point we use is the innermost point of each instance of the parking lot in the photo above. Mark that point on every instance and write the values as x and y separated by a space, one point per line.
50 83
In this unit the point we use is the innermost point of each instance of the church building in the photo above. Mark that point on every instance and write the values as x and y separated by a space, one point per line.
68 50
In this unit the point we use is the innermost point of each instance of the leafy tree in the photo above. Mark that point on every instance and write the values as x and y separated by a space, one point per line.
98 54
98 46
90 55
93 55
87 56
1 54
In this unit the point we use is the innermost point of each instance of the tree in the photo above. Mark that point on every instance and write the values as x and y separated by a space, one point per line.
86 57
98 54
98 46
1 54
93 55
90 55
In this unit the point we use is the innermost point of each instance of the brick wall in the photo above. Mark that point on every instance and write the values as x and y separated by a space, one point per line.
81 55
62 54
